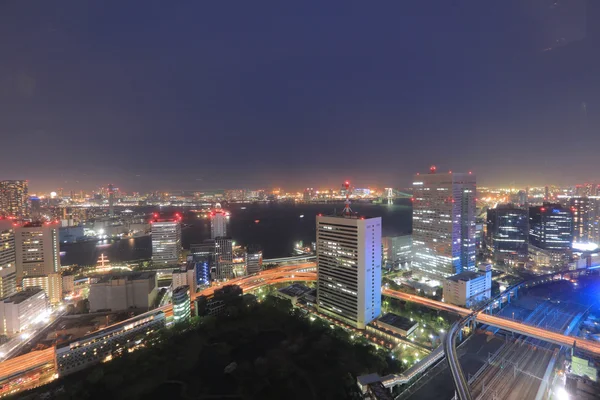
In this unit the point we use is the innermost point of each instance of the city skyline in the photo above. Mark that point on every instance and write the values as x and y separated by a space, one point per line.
101 101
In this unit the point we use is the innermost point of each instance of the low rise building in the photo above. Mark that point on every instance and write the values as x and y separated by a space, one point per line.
293 292
468 287
106 343
68 283
19 311
181 304
121 292
396 324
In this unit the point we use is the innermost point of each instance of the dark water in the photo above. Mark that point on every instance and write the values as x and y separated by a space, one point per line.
279 227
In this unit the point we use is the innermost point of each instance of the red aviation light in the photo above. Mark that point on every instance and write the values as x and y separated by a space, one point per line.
543 209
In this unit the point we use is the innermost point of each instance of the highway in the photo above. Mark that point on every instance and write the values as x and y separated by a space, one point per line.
516 327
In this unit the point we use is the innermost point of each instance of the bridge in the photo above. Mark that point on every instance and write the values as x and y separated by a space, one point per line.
292 259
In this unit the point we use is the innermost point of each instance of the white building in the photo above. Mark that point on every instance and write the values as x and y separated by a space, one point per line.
51 284
349 268
218 223
121 292
37 251
19 311
444 237
166 241
468 288
8 281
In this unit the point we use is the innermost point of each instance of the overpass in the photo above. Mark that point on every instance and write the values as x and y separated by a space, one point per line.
283 260
483 318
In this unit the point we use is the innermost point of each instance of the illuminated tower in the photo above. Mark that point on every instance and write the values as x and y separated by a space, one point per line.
218 222
443 223
349 267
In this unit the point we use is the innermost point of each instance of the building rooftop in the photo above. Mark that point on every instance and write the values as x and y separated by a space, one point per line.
397 321
295 290
130 277
181 289
22 296
465 276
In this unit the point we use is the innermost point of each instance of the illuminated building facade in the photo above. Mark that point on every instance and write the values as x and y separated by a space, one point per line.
349 268
8 276
13 198
397 251
223 266
468 288
51 284
19 311
182 309
508 232
444 236
106 343
218 223
166 241
584 210
253 261
37 249
551 227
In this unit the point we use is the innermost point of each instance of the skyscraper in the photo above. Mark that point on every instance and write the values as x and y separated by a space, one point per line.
218 223
13 198
444 241
349 268
166 241
253 260
583 218
8 282
37 249
223 266
551 227
508 232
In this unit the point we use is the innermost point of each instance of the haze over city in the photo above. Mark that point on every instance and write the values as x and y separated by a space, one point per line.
210 96
300 200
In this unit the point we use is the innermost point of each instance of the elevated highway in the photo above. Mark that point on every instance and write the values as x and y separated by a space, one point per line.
513 326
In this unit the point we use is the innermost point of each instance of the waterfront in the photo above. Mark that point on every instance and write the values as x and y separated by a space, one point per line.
275 227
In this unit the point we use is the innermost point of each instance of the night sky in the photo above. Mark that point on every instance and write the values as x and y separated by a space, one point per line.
221 94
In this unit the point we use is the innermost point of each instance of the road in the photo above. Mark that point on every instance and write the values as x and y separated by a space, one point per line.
516 327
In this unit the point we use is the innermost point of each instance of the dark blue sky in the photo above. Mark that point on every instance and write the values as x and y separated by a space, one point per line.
219 94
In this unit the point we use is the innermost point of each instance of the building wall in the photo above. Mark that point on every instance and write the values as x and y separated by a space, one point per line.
13 198
349 268
122 293
16 317
443 224
37 250
51 285
166 242
218 224
468 292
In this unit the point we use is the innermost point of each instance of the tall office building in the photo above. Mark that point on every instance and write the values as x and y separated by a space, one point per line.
583 218
223 266
253 260
444 236
8 281
37 249
166 241
551 227
218 223
35 210
13 198
508 232
349 268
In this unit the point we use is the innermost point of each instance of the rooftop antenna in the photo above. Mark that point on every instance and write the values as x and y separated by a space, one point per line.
347 209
